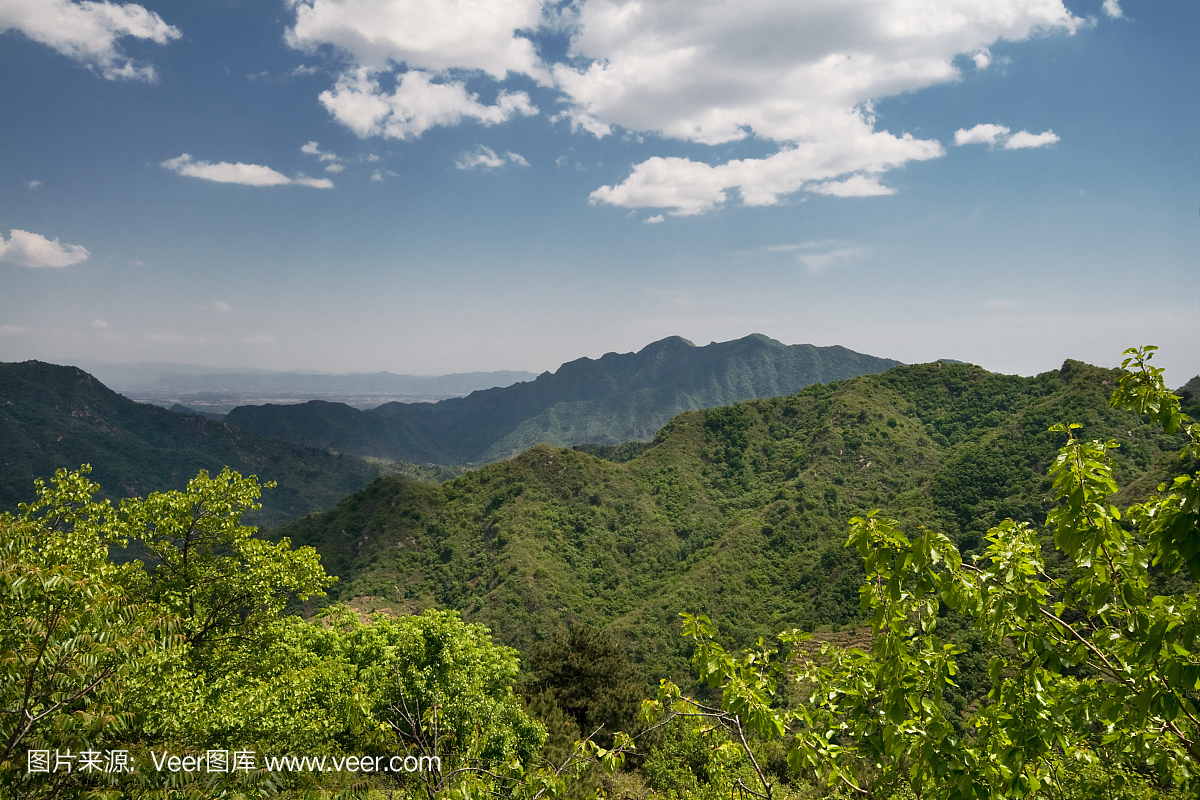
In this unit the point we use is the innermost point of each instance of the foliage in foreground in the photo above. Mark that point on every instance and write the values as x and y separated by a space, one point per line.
107 670
1095 682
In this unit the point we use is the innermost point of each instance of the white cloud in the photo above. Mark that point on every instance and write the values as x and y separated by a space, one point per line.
485 158
854 186
301 71
800 75
1113 9
712 71
692 187
431 35
13 330
657 218
377 175
33 250
989 134
32 184
1024 139
317 183
221 307
414 106
245 174
984 133
313 149
479 158
88 32
99 323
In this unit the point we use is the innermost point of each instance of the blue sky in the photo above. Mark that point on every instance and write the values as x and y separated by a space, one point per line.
431 186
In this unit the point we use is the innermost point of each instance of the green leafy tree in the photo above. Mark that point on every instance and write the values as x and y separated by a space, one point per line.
188 654
71 634
1094 673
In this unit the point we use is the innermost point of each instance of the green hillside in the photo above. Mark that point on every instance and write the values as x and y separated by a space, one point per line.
738 512
52 417
613 399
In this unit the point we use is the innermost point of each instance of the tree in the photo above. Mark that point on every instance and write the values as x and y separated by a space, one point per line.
97 657
71 634
1093 672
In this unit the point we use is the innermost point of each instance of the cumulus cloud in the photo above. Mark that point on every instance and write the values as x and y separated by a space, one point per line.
691 187
34 250
32 184
657 218
245 174
1113 9
88 32
414 106
431 35
800 75
432 39
99 323
984 133
485 158
221 307
1024 139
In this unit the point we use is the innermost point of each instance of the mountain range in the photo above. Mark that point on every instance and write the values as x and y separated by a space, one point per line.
53 416
609 400
739 512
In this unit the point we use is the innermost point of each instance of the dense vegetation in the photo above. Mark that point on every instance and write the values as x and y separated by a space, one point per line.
980 658
610 400
55 417
738 511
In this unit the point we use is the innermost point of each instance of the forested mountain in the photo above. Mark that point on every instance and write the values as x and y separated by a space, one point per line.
738 512
53 416
613 399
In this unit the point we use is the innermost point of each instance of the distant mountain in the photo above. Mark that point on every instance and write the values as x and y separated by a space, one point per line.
613 399
52 416
193 379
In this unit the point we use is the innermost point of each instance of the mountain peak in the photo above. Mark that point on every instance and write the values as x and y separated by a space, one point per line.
669 343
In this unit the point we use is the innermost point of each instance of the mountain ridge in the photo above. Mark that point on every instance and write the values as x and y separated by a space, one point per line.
624 396
55 416
738 512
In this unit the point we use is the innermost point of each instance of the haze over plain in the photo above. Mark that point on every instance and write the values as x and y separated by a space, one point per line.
343 185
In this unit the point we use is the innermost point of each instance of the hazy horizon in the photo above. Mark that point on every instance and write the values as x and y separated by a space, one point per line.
354 187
